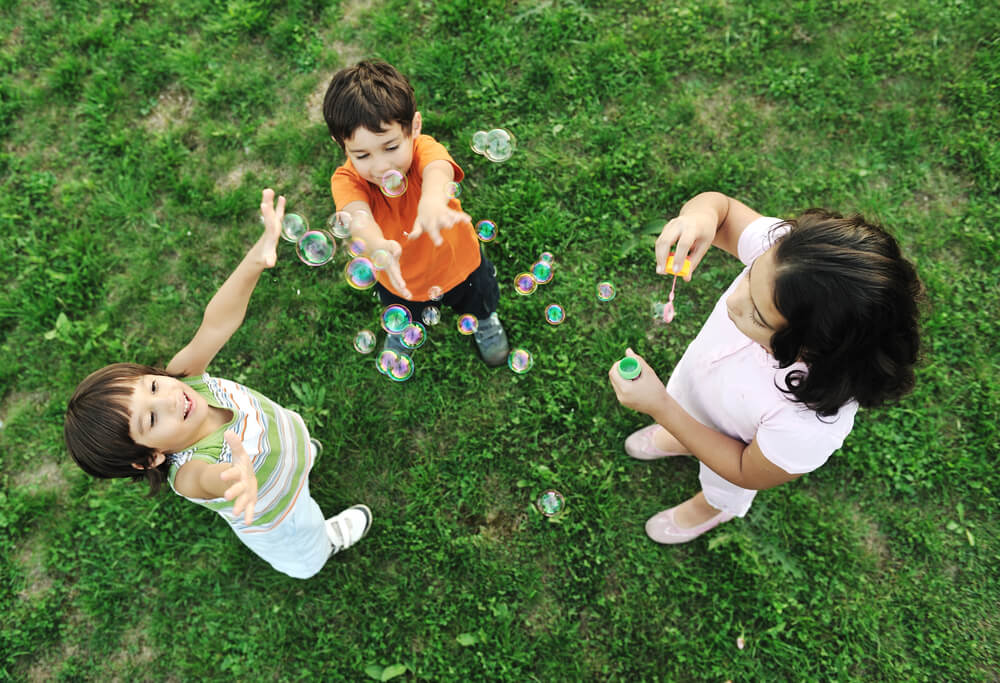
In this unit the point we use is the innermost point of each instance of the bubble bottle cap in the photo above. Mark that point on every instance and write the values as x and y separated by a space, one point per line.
629 368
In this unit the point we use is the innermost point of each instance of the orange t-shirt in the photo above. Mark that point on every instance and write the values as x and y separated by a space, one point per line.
422 264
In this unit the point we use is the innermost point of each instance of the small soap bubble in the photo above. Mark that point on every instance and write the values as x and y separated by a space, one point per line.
435 293
500 145
551 503
339 224
413 336
385 360
395 318
293 227
479 141
316 248
524 284
520 361
605 291
547 257
356 246
364 341
542 272
360 273
401 369
554 314
486 230
453 190
381 259
431 315
393 183
468 324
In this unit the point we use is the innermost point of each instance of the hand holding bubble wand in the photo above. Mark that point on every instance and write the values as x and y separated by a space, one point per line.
693 238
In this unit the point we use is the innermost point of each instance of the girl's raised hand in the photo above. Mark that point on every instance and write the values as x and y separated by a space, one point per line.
271 213
244 490
644 393
693 238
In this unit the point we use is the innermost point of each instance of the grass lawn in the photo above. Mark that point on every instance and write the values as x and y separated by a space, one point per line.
135 137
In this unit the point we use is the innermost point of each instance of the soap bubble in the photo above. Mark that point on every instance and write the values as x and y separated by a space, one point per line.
542 272
413 336
524 284
316 247
479 141
381 259
468 324
393 183
360 273
486 230
520 361
551 503
385 360
554 314
547 257
401 369
293 227
435 293
356 246
364 341
431 315
500 145
339 224
605 291
453 190
395 318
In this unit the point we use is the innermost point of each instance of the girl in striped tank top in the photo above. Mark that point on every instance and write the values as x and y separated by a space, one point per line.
217 443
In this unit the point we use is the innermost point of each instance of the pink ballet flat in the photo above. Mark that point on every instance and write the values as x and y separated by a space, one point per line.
640 445
662 527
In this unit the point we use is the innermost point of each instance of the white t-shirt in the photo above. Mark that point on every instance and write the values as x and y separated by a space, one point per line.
730 383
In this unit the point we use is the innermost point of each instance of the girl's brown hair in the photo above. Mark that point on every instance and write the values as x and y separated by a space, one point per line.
852 305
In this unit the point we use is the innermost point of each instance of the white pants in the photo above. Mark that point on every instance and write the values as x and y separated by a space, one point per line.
723 494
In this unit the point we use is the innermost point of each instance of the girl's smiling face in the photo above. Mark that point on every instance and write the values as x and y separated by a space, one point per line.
167 415
751 305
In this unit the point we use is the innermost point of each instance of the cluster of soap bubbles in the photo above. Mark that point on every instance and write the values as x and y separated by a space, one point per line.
313 247
496 145
540 273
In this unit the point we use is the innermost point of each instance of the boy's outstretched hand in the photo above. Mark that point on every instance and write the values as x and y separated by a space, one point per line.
244 490
271 213
433 216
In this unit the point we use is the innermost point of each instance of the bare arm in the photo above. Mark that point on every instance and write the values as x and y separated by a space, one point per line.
364 227
710 218
236 480
734 461
433 212
227 308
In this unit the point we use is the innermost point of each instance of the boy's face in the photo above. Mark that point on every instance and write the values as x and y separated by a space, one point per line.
374 154
166 415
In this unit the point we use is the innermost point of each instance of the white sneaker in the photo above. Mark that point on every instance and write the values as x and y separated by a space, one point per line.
349 527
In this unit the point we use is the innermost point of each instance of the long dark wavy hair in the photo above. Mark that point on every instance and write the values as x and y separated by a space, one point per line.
852 304
96 427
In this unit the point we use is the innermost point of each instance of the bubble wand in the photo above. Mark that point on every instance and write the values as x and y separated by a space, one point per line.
668 312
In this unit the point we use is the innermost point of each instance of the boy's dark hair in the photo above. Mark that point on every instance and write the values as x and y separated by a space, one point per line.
370 94
96 428
852 303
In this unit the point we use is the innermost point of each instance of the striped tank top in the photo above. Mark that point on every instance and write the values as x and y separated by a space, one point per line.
275 438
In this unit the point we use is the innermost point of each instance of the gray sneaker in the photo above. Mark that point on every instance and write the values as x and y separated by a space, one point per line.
491 341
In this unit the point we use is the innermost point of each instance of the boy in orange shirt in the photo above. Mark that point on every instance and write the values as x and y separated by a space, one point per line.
433 252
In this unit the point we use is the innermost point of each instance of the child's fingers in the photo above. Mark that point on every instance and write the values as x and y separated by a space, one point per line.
248 516
669 234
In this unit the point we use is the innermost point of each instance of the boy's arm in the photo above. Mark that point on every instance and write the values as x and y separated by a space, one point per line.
197 479
433 212
364 227
710 218
225 312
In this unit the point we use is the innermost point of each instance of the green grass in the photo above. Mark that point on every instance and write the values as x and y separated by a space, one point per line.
136 137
